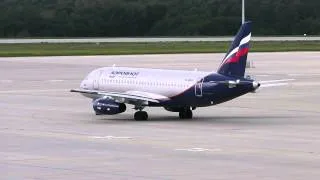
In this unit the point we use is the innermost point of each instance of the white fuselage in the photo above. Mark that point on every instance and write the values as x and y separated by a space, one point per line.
160 82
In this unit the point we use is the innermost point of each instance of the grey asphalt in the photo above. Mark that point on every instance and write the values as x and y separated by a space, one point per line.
47 132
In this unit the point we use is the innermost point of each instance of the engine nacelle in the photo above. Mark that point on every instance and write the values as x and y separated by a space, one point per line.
108 107
173 109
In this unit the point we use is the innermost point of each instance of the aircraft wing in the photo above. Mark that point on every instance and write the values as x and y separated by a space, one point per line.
130 97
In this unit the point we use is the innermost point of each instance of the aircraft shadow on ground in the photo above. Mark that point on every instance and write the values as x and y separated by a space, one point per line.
237 120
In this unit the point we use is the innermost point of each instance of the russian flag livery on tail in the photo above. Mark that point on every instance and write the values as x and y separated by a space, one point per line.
112 88
234 63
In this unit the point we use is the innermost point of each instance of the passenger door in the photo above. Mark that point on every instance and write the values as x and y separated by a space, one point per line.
198 88
96 80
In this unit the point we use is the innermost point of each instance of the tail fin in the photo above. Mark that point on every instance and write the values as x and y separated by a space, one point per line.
234 63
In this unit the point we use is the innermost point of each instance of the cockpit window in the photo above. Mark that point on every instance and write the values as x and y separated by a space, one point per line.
91 75
87 77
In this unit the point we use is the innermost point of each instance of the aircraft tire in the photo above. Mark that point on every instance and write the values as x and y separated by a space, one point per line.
141 116
181 115
185 114
189 114
98 113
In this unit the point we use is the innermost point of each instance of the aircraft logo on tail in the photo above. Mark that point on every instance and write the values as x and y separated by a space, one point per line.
235 60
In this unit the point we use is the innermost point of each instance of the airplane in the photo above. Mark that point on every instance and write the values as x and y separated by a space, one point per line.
111 88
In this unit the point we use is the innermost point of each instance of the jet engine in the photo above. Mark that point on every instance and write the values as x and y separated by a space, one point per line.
108 106
173 109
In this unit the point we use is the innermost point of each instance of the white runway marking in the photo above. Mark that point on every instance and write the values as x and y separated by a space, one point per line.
263 75
33 91
306 74
296 74
6 81
292 74
110 137
56 80
198 149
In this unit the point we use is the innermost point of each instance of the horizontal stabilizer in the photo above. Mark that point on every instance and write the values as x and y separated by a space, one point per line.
274 83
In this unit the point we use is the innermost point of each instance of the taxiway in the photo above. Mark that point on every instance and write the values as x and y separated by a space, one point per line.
46 132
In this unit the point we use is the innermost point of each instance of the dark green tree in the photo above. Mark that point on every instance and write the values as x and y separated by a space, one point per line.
110 18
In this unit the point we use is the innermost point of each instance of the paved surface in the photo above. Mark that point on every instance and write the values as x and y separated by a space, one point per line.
155 39
48 133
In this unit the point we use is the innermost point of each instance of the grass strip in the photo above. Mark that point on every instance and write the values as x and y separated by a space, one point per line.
46 49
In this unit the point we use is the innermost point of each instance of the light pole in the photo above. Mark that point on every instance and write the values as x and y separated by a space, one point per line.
249 63
243 11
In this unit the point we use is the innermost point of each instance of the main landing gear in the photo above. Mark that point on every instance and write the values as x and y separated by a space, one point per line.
185 113
141 116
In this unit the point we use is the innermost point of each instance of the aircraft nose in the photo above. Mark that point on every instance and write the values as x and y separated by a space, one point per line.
85 84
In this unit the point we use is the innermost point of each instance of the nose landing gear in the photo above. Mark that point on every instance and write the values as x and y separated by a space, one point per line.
185 113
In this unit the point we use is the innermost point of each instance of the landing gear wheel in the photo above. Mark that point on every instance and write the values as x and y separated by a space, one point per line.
185 114
189 114
141 116
181 115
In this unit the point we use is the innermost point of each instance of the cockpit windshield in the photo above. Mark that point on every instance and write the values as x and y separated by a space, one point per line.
91 75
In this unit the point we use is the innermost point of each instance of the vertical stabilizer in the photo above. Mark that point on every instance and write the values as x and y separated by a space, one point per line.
234 63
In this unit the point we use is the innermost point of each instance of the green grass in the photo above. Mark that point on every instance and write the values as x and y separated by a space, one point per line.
11 50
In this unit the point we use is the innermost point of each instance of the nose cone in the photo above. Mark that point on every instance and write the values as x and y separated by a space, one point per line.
85 84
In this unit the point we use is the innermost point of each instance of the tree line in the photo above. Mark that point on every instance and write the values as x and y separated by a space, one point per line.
114 18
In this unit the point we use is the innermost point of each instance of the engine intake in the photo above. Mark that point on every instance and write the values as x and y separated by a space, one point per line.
108 106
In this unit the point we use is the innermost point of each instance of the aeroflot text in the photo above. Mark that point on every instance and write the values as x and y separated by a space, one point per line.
125 73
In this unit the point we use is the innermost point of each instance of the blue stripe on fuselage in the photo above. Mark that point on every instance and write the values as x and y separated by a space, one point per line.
212 93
